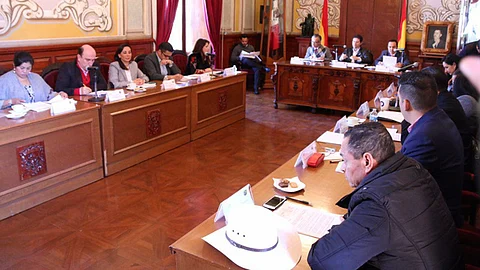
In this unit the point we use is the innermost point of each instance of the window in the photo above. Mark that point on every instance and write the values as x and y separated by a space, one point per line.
195 26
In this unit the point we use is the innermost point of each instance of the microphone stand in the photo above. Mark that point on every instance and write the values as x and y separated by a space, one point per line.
95 98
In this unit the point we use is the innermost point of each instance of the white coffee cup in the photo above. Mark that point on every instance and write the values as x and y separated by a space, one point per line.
352 121
384 104
19 108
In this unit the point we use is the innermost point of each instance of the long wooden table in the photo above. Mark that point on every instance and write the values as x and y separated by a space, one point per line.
318 85
45 156
147 124
324 187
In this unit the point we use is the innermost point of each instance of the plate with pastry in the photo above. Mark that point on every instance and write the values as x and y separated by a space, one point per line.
288 184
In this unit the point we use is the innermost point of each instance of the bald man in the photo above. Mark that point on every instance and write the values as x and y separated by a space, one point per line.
75 79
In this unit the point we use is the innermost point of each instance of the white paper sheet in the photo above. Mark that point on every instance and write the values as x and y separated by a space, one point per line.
38 106
308 220
331 137
389 61
395 116
251 55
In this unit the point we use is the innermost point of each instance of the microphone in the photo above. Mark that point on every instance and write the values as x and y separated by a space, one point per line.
413 65
210 54
340 46
92 68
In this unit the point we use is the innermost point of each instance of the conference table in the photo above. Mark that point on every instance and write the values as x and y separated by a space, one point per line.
45 156
319 85
144 125
324 187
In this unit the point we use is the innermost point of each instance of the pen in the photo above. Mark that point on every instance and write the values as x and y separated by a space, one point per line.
298 200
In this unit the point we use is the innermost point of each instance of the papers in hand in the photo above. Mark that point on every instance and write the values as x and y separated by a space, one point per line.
392 116
389 61
331 137
308 220
251 55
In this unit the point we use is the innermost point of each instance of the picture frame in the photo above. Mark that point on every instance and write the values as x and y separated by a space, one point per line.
437 37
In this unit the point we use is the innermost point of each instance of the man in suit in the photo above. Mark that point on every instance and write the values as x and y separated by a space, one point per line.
255 64
397 218
317 50
433 138
402 57
75 79
437 42
159 66
472 48
357 54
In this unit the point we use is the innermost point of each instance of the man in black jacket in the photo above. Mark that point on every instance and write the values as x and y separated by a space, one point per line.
397 218
75 78
357 54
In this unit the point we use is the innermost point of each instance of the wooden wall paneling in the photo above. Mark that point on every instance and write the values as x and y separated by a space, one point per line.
386 18
230 40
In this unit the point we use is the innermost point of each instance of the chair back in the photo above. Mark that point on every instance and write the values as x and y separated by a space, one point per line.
104 67
140 59
180 59
50 74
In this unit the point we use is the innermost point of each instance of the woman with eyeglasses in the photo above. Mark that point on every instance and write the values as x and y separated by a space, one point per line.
199 61
22 86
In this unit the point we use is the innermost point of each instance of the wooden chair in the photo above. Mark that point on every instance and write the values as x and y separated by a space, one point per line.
50 74
180 59
104 67
140 61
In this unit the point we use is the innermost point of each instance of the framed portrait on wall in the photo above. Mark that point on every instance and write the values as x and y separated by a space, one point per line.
437 37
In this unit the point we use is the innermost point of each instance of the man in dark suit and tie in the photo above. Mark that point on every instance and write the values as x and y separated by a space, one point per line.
159 66
437 42
357 54
402 57
434 140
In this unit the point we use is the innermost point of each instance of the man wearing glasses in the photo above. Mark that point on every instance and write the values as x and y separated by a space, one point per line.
159 66
75 79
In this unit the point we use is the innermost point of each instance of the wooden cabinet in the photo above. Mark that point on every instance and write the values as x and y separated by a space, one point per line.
322 86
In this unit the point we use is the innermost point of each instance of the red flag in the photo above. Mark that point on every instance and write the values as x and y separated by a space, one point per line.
402 30
324 24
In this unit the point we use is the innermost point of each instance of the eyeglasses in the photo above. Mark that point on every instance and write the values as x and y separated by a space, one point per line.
166 55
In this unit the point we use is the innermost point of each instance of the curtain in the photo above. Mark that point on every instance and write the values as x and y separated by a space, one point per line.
213 18
166 10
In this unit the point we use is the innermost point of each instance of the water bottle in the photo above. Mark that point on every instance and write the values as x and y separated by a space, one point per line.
374 116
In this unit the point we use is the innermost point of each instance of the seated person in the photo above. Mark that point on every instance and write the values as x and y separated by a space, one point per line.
254 63
74 77
430 132
159 66
124 71
402 57
199 61
317 50
22 86
462 86
450 64
357 54
397 218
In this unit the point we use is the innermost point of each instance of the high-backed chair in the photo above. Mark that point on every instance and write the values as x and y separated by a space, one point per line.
104 67
50 74
469 238
140 61
180 59
250 73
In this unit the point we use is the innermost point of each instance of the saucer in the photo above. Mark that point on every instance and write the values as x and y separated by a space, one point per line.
15 115
289 189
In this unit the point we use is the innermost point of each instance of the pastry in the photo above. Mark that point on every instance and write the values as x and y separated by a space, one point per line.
283 183
293 185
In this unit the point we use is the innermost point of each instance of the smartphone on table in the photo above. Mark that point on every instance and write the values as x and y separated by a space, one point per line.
274 202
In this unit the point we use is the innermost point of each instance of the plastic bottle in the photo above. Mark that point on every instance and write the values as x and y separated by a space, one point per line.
374 116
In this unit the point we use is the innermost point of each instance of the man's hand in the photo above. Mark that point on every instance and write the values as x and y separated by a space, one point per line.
166 62
343 57
398 65
177 77
85 90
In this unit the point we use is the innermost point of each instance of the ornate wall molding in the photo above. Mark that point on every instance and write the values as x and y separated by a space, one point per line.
314 7
420 11
86 14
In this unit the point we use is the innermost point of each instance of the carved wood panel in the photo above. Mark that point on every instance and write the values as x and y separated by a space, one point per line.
299 85
31 160
153 123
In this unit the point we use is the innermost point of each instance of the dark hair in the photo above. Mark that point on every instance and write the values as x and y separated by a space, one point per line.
165 46
359 37
22 57
441 79
198 48
371 137
317 35
80 50
451 58
119 51
462 86
243 36
420 89
478 44
393 40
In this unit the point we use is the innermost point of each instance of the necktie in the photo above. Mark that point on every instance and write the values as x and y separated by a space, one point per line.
315 51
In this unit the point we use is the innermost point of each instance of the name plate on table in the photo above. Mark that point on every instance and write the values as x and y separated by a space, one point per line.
115 95
296 60
230 71
63 106
169 84
243 196
306 154
205 77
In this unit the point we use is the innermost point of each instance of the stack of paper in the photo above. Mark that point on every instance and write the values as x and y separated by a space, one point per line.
389 115
331 137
